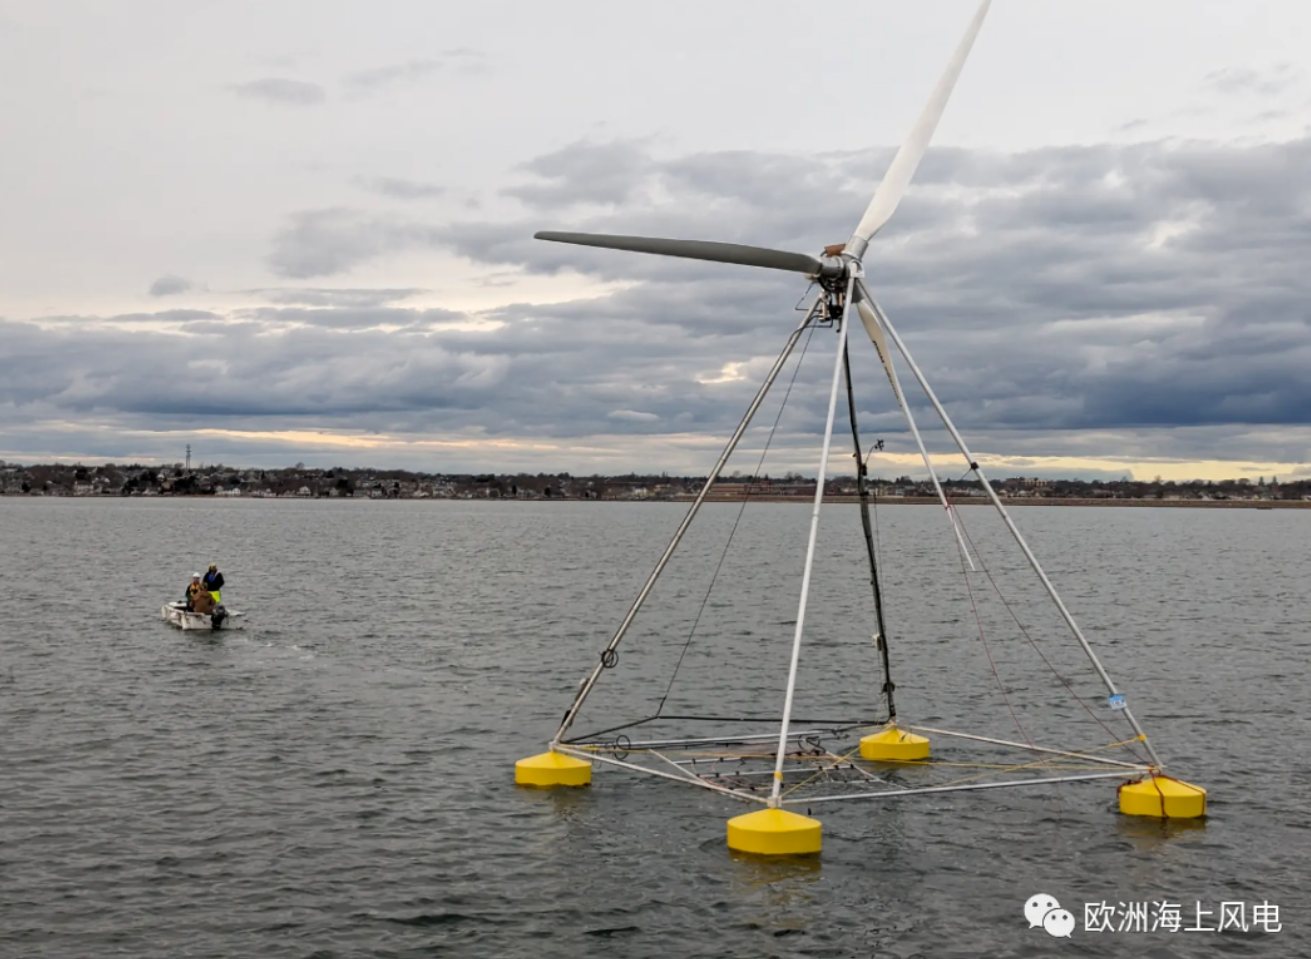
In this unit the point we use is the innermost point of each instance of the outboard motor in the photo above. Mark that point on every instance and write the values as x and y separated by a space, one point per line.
217 616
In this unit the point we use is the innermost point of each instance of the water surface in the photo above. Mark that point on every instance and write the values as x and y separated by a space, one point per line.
337 778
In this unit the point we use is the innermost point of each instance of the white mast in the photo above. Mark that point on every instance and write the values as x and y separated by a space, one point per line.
775 795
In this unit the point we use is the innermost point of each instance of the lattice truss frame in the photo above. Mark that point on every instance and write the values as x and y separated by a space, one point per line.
822 762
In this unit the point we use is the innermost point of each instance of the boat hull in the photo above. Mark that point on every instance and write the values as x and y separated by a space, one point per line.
175 614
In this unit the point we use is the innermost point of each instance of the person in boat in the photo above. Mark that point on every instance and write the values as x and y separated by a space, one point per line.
194 590
214 582
204 602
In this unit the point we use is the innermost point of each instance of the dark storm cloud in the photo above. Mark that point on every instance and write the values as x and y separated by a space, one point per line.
991 252
399 189
553 373
282 90
584 173
170 317
1144 299
226 380
734 196
170 285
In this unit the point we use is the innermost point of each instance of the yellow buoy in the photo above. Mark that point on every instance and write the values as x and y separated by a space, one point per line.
552 769
894 745
774 832
1164 798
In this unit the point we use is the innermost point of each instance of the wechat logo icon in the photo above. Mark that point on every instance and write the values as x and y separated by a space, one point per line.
1043 910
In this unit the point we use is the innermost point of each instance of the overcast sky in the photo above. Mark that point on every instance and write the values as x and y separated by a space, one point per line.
302 231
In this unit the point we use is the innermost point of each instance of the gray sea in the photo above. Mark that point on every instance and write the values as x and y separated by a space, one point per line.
336 778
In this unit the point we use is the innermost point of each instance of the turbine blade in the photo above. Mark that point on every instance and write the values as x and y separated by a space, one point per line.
694 250
881 345
869 316
899 174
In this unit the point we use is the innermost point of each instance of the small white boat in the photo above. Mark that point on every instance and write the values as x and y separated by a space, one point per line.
176 614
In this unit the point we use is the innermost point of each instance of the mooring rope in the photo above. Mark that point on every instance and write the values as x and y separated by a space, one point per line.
988 652
1037 649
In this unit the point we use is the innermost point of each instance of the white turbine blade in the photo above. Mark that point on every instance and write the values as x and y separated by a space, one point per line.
908 157
875 331
881 344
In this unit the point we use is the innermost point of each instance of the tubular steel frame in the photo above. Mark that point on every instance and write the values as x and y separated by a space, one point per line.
827 306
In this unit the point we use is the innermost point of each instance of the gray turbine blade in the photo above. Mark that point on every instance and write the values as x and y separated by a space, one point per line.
694 250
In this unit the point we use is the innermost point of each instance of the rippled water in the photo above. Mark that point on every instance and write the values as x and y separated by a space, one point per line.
336 778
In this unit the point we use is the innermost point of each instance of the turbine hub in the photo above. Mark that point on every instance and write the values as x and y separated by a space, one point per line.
833 268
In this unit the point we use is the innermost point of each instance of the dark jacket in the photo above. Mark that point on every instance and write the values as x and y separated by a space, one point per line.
213 581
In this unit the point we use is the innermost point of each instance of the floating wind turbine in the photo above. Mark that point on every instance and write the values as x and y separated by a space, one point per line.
839 272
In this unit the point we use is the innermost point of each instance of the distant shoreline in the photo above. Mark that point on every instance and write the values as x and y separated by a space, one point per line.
685 499
301 482
1024 501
